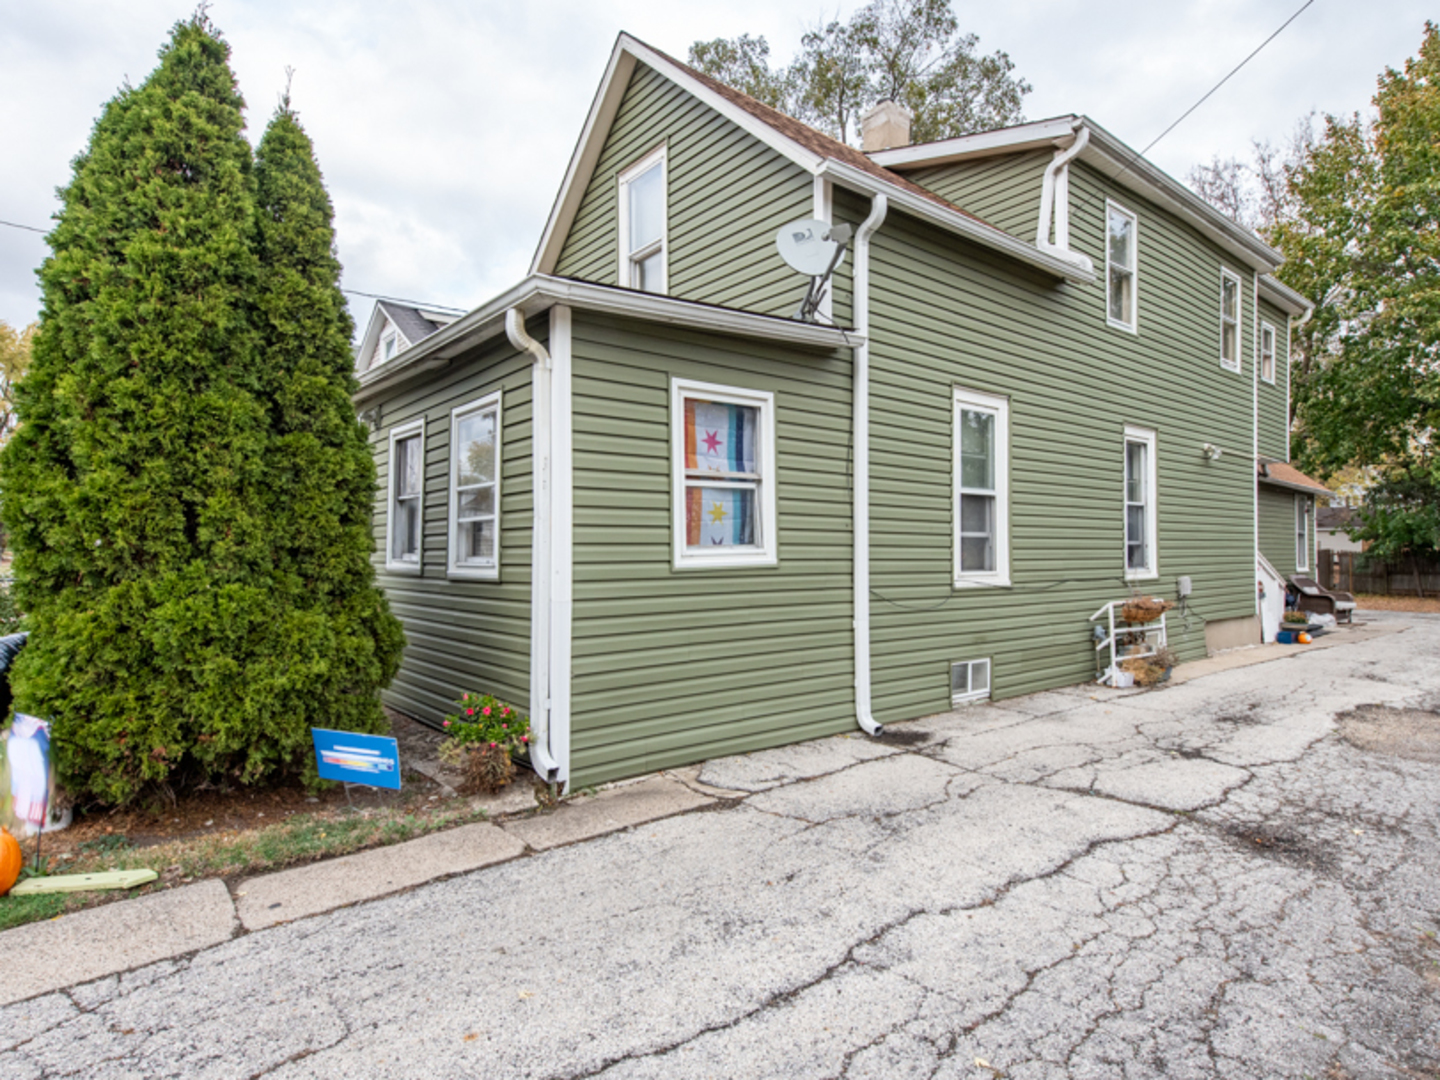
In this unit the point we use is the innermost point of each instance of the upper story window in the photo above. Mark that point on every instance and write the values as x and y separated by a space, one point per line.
1229 321
1121 247
1140 499
723 458
643 224
1267 352
982 489
1302 532
389 343
475 489
406 497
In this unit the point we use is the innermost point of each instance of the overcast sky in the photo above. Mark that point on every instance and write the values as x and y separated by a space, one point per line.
444 128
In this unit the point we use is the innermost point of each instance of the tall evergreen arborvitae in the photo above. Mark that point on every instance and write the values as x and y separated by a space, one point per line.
319 470
190 616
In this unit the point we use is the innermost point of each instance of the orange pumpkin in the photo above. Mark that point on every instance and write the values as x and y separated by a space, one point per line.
10 860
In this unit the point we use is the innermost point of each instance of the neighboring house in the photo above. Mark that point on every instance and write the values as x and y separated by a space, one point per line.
395 327
1333 525
636 493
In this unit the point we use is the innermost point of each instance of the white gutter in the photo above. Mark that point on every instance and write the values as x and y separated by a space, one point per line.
1055 202
542 407
541 291
901 198
1255 440
860 410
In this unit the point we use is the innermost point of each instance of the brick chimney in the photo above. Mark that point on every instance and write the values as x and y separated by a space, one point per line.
885 127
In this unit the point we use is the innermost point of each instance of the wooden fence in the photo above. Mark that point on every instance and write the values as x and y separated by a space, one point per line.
1352 571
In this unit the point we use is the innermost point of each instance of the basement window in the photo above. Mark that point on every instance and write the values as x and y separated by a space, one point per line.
406 495
643 224
969 681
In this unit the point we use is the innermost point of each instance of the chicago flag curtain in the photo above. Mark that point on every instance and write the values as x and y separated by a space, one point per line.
720 441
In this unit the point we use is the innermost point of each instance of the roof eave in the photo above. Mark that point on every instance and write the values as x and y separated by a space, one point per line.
1284 297
953 221
539 292
1134 172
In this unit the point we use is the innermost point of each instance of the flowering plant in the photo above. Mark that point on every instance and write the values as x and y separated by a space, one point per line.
481 736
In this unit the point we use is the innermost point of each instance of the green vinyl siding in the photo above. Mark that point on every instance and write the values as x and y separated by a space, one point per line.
727 196
948 315
1278 530
673 666
1003 190
462 635
1272 399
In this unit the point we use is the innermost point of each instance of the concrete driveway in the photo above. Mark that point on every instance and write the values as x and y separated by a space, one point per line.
1234 877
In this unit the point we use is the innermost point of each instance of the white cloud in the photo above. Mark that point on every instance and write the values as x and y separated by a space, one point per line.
444 128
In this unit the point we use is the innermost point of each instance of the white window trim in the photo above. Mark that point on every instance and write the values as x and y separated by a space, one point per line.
973 695
1239 366
1152 515
766 553
393 565
627 257
474 571
1274 351
1000 407
1302 544
1131 327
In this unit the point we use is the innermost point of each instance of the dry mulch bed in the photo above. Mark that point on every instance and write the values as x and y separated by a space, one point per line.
1429 605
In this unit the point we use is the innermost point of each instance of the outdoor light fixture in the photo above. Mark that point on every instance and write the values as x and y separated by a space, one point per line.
1212 452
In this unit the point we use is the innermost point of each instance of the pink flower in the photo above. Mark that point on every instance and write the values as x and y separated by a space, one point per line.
507 711
486 710
524 738
465 698
447 723
492 746
469 712
504 727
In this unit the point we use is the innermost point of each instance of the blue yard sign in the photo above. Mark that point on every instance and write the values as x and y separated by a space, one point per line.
372 760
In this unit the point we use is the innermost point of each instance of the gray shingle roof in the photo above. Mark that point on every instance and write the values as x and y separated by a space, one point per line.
412 324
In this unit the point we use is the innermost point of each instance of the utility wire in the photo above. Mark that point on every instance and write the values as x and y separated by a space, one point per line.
352 292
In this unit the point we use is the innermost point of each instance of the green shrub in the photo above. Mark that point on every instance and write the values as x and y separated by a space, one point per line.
188 494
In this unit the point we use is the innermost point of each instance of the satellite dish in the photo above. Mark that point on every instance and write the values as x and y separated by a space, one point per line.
807 248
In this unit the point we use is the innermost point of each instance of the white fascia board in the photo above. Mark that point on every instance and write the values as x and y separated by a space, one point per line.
539 292
583 159
952 221
1011 140
742 118
623 58
373 330
1118 163
1282 296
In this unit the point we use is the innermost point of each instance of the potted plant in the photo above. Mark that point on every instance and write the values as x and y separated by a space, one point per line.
481 738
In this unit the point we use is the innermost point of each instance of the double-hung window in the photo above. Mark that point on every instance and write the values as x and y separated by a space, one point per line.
406 497
1302 532
723 453
1121 247
982 489
643 224
1140 518
475 489
1229 321
1267 352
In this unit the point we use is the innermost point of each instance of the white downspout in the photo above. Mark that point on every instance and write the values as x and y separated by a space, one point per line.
1055 201
542 405
860 409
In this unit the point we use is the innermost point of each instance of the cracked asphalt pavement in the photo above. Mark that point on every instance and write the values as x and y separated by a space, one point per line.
1207 880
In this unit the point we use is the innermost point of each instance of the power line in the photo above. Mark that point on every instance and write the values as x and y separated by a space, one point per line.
1136 156
27 228
352 292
